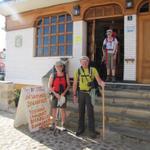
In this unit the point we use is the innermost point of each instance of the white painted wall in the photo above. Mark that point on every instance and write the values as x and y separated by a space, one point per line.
21 65
79 42
2 33
130 44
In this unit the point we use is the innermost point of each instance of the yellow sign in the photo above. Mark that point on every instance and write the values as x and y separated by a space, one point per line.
77 39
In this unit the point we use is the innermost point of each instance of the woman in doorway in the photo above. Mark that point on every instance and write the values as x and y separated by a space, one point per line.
109 48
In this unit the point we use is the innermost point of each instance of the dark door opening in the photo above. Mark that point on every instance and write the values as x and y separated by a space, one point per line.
96 35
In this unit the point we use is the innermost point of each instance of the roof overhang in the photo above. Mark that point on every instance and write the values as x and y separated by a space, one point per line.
17 6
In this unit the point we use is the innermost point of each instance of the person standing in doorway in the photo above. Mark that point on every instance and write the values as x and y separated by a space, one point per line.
83 82
109 48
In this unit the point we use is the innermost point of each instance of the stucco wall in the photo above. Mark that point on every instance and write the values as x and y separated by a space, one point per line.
130 46
21 65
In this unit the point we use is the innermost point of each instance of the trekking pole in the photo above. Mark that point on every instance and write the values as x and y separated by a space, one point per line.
57 128
103 111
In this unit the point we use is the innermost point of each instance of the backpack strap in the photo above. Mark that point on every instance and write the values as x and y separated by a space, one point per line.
79 73
90 71
55 75
110 41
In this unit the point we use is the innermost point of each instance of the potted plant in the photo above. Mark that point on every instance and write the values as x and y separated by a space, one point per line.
17 96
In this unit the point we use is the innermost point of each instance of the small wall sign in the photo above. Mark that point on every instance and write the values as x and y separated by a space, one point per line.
18 41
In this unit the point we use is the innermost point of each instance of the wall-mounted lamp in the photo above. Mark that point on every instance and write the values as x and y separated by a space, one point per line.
76 10
129 3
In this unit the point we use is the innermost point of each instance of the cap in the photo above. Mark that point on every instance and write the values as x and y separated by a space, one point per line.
84 58
58 63
109 30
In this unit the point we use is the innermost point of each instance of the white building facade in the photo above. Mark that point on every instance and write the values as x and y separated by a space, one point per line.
23 66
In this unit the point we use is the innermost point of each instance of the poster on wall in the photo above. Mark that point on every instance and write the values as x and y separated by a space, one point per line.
18 41
33 109
130 29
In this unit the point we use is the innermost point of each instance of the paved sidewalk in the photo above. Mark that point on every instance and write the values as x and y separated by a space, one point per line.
21 139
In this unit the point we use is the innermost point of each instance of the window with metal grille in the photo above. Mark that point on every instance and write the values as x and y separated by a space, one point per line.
145 7
54 35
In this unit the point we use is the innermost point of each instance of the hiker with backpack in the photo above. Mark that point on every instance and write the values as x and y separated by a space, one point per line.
83 86
59 85
109 48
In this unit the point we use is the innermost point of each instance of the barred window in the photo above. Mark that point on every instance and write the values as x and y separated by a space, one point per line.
144 7
54 35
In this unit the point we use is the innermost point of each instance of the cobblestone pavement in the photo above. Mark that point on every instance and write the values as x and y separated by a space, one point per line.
21 139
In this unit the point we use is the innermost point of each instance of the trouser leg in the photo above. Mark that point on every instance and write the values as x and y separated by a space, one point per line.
81 111
90 113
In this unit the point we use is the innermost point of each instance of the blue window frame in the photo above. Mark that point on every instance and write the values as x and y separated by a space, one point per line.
69 38
61 28
53 29
62 50
69 50
45 51
53 39
54 19
61 39
54 35
69 27
53 51
46 20
61 18
46 30
46 40
39 31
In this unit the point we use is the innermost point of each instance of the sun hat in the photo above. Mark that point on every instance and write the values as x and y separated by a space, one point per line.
58 63
84 58
109 30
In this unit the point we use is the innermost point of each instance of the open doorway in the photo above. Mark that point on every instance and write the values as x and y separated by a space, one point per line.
96 35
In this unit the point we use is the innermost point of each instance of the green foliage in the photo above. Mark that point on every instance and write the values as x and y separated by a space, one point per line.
17 96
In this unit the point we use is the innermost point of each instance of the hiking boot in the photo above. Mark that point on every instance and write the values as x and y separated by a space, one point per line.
79 132
113 79
98 133
93 135
63 128
52 127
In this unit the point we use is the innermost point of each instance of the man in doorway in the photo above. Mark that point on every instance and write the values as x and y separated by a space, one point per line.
109 48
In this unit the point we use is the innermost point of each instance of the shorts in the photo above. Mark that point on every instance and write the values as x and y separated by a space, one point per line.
111 61
54 103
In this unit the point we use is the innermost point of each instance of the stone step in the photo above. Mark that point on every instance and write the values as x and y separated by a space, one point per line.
137 133
125 85
124 93
125 111
125 102
120 110
118 115
130 121
125 108
121 126
141 94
